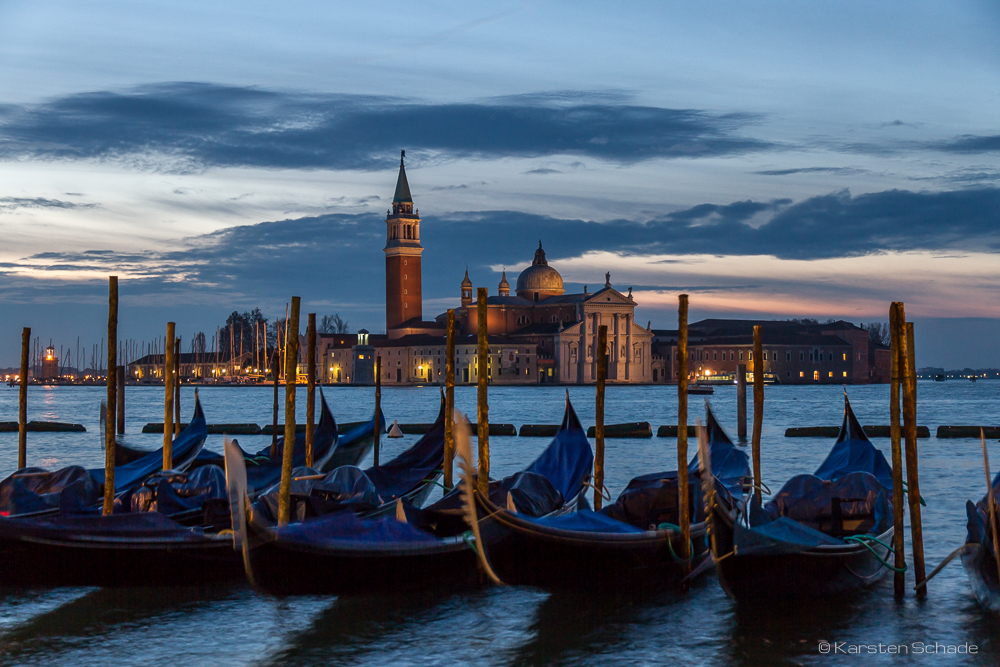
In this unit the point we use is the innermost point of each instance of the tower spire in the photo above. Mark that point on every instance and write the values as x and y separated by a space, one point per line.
402 195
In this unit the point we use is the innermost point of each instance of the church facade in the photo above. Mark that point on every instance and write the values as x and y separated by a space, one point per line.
540 334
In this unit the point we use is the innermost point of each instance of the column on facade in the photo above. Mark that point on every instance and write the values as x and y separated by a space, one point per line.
629 352
616 322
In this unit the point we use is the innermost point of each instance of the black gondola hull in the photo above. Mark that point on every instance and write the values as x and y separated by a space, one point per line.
523 553
983 578
809 574
52 561
283 569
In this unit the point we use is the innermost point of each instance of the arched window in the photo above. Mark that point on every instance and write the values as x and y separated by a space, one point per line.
523 319
554 319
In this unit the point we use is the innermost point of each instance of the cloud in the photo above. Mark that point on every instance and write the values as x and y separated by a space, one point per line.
543 170
969 143
15 203
191 126
340 254
812 170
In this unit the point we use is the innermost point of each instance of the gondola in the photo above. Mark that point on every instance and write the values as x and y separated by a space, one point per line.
344 536
631 544
979 555
34 491
134 546
555 483
821 535
264 472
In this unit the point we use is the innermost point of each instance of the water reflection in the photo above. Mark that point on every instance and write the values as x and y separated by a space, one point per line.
571 624
472 627
94 612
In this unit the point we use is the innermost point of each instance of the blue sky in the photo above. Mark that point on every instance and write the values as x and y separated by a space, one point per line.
787 159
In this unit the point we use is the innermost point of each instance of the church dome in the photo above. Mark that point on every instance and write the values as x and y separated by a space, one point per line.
539 281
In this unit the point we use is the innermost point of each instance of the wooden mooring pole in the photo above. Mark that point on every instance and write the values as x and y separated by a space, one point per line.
109 425
311 388
482 407
907 383
275 361
288 449
741 402
758 404
378 408
601 351
899 577
449 403
168 398
120 411
683 493
22 401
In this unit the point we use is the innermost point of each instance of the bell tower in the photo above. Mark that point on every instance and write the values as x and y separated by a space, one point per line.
403 298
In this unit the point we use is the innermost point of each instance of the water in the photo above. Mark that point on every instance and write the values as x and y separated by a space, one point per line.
233 625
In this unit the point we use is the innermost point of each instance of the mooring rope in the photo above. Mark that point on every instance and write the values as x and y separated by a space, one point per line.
865 541
670 545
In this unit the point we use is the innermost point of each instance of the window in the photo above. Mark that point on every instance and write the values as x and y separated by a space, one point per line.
802 356
845 356
802 374
715 356
788 356
523 319
788 374
845 373
831 374
750 355
816 376
406 291
741 355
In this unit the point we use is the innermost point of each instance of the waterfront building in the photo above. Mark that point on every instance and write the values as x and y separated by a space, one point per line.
793 352
540 334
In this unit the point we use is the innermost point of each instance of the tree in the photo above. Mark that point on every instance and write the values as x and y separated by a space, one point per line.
198 343
878 332
333 324
243 325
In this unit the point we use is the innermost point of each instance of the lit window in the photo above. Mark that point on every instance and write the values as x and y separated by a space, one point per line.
831 374
802 374
845 356
816 376
845 373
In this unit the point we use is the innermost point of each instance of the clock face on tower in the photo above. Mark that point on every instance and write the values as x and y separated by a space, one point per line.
403 298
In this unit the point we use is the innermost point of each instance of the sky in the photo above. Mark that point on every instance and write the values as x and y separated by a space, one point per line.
776 159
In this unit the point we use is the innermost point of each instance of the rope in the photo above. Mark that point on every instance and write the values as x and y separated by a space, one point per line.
470 540
865 540
604 491
673 554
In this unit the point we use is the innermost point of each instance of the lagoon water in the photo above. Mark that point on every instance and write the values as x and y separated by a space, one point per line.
234 625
